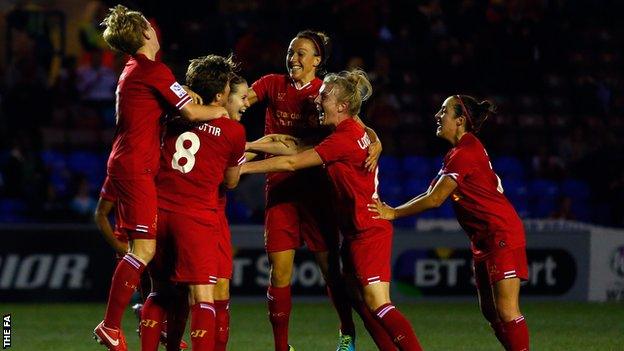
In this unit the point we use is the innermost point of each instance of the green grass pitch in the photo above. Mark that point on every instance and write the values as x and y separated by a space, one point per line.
440 326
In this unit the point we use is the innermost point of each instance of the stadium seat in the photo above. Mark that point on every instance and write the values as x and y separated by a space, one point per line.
543 196
508 167
418 166
517 193
12 210
446 210
389 165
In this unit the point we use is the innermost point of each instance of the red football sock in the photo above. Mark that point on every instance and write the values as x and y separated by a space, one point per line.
222 325
177 315
203 326
398 327
517 334
124 283
152 318
342 304
499 331
374 328
280 304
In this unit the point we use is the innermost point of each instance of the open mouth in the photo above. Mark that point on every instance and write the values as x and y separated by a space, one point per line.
321 114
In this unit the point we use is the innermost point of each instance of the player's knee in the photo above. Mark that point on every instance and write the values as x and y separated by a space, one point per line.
374 300
281 275
222 290
507 310
145 251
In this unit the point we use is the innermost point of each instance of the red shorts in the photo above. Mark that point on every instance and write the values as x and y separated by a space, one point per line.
503 264
186 248
295 216
369 258
224 254
136 207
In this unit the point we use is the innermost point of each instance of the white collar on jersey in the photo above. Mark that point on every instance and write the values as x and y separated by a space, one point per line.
301 87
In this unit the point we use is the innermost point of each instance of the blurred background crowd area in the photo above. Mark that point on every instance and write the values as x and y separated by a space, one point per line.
553 67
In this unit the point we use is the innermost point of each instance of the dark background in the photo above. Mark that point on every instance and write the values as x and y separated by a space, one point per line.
553 67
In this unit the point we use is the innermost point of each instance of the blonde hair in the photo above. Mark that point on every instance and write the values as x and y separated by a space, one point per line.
124 29
351 87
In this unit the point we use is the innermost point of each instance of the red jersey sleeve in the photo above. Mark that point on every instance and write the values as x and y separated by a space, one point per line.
333 148
162 80
237 157
458 164
262 86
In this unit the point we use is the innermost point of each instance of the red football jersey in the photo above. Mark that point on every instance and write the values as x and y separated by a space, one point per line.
146 89
289 111
482 210
344 153
194 159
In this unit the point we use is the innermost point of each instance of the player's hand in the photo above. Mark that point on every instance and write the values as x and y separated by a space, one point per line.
196 98
381 210
374 151
283 138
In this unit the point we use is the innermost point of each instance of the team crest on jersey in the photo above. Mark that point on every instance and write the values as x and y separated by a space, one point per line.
281 96
177 89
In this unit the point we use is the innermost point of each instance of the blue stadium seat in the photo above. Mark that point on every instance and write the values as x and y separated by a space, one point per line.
517 192
12 211
543 196
418 166
389 165
579 192
446 210
508 167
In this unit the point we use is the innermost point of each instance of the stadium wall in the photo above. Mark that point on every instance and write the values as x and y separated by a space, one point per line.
567 261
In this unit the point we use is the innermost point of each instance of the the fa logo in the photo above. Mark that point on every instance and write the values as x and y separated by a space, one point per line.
199 333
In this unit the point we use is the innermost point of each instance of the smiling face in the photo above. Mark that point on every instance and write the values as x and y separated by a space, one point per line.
238 102
302 60
449 125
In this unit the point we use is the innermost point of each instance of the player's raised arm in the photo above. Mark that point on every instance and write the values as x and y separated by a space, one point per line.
431 199
306 159
277 144
202 113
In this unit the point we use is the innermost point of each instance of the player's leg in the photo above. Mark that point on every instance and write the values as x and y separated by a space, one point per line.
375 329
371 260
329 264
136 211
222 288
222 306
126 279
153 316
279 297
177 315
511 269
321 235
486 301
282 237
203 315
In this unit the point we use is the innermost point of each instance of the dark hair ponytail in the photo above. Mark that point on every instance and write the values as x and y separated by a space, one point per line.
476 113
322 45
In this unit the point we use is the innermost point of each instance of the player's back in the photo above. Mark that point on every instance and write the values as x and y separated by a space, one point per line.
344 154
194 159
145 91
479 200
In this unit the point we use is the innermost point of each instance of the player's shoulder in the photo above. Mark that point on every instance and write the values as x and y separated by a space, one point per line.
229 125
273 78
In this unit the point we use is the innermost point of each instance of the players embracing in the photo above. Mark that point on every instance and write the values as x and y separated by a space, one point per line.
197 159
145 91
